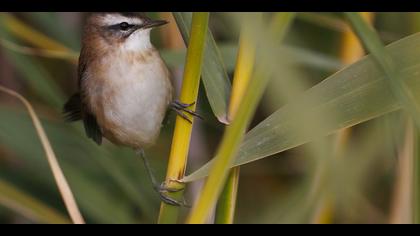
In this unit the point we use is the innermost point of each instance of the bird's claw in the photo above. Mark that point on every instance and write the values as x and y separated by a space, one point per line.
170 201
180 108
163 190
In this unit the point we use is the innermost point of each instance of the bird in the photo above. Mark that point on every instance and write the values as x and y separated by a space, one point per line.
124 86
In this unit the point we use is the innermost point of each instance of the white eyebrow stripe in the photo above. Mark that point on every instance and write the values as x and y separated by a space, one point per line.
116 19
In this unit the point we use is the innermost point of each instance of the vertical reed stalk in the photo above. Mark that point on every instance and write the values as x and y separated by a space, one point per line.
235 132
225 209
182 134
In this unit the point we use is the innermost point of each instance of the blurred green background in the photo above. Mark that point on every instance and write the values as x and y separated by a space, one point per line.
362 182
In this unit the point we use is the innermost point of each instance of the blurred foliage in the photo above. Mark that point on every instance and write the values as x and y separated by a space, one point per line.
110 183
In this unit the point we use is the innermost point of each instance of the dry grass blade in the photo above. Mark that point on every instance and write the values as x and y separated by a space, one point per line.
65 55
62 184
30 35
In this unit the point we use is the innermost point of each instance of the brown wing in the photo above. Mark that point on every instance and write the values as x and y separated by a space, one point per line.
75 108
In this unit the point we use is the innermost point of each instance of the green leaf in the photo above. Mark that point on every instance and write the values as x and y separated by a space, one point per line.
358 93
215 78
372 42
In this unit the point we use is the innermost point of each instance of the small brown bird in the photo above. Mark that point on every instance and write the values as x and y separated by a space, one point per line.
124 86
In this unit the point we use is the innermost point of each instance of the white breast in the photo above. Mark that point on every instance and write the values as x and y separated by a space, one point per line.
135 100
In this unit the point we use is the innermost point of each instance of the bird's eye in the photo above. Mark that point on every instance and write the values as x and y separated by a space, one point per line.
124 26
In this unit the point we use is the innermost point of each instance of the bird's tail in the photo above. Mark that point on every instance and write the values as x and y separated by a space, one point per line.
72 109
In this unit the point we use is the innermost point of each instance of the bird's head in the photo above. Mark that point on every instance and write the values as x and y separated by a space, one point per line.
130 31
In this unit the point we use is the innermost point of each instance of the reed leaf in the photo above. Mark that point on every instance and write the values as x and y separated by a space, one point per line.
374 45
357 93
215 78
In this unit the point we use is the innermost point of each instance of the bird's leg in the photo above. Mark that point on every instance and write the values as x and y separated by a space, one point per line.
180 108
161 189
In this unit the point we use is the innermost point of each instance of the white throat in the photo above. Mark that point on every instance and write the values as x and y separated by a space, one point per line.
138 41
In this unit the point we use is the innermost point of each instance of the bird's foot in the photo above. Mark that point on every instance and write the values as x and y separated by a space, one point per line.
180 108
163 191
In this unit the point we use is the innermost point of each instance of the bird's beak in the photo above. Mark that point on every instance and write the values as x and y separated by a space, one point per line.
153 23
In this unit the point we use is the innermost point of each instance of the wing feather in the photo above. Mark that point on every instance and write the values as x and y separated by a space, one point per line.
76 108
